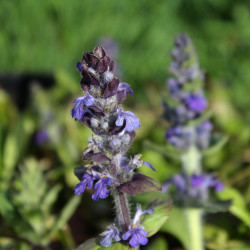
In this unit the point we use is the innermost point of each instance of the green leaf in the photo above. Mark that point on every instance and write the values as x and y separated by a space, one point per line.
89 245
201 119
177 226
51 197
215 147
238 208
66 213
14 145
166 150
159 243
153 223
92 244
217 206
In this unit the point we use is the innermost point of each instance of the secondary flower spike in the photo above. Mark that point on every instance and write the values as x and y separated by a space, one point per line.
100 109
185 90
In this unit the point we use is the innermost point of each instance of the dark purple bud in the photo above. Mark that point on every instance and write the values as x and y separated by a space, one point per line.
86 119
111 88
99 52
112 66
89 79
139 184
79 172
103 65
95 157
117 129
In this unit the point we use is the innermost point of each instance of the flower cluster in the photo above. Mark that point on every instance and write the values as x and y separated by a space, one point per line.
190 189
100 109
183 138
186 99
136 233
186 103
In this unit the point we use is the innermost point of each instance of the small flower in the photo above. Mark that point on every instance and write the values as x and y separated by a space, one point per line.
132 122
177 180
78 110
203 182
138 162
138 236
87 180
178 137
140 212
123 86
101 187
79 67
41 137
196 103
112 233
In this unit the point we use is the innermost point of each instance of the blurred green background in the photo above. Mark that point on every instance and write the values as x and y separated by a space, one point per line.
37 205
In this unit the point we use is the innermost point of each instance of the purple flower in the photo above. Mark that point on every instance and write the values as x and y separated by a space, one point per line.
138 236
140 212
177 180
148 164
132 122
87 180
178 137
196 103
101 187
123 86
112 233
79 67
41 137
78 110
203 182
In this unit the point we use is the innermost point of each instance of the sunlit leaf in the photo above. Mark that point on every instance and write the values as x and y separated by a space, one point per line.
153 223
238 208
177 226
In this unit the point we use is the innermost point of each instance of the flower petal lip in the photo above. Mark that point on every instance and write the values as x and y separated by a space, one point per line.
132 122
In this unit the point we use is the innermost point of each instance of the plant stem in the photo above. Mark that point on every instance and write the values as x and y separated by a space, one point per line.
195 230
191 164
121 201
124 210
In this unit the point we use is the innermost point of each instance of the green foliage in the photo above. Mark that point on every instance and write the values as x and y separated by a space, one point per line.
92 244
238 207
50 36
153 223
179 229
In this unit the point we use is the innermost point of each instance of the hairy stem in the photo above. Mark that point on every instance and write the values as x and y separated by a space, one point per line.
121 201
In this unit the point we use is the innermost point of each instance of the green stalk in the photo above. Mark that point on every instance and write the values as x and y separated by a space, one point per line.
195 229
191 165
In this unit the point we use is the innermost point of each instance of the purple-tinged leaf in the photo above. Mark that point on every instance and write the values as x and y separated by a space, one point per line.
140 184
95 157
111 87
